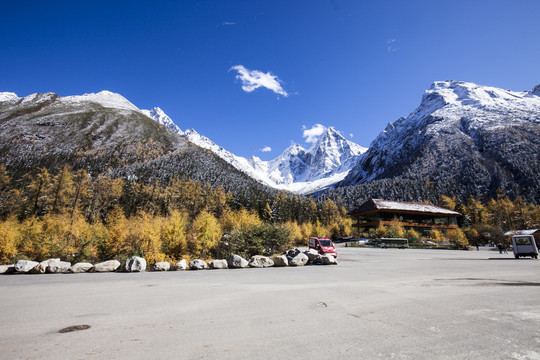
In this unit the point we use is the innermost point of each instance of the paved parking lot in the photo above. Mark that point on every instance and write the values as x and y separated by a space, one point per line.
376 304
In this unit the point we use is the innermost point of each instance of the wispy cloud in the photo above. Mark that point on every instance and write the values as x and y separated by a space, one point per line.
313 133
351 135
266 149
254 79
228 23
391 46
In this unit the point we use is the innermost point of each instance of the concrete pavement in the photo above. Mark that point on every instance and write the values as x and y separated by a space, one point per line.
376 304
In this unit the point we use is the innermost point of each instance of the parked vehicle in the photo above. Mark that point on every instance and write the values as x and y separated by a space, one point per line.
524 245
323 245
386 243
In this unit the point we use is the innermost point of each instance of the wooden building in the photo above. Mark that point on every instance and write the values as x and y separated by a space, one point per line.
423 218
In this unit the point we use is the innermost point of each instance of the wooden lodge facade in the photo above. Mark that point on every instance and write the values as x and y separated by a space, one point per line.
423 218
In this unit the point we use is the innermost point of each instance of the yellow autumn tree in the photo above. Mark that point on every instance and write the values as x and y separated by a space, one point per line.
145 237
298 237
205 234
458 239
174 234
9 236
436 235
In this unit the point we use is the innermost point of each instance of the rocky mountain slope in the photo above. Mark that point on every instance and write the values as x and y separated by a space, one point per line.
463 139
105 133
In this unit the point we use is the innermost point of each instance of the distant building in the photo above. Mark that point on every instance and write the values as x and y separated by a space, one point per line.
422 218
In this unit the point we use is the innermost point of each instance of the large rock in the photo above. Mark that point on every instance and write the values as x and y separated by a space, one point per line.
24 266
237 262
312 255
292 253
7 269
59 267
181 265
43 266
218 264
299 260
80 267
280 260
259 261
135 264
107 266
197 264
162 266
328 260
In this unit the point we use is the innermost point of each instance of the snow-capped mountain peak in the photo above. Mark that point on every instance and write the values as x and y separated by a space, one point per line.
104 98
159 115
459 128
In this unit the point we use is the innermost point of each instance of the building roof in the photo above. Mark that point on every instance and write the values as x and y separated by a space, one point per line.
374 205
520 232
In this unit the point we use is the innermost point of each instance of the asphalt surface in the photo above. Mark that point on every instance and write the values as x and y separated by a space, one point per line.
376 304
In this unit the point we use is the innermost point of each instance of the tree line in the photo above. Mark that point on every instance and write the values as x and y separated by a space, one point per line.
74 215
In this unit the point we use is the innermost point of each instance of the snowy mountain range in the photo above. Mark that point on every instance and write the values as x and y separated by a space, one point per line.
298 170
464 138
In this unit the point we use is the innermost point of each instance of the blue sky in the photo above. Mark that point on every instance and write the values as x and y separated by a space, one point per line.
354 65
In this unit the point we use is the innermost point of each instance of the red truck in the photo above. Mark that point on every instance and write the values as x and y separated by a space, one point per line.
323 245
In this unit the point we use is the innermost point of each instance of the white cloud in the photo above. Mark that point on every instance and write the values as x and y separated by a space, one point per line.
254 79
313 133
351 135
266 149
391 46
225 23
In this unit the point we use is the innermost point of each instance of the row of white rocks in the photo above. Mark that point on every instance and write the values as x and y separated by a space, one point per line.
294 257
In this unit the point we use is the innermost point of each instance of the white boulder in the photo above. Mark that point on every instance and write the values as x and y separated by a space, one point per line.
162 266
107 266
328 260
299 260
80 267
7 269
59 267
218 264
24 266
135 264
43 266
181 265
237 262
280 260
197 264
259 261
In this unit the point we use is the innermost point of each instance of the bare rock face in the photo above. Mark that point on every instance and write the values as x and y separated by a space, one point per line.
80 267
181 265
328 260
280 260
237 262
24 266
43 266
59 267
162 266
218 264
259 261
299 260
197 264
107 266
135 264
7 269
